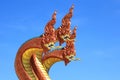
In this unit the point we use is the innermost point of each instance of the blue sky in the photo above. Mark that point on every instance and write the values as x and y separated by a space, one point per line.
97 42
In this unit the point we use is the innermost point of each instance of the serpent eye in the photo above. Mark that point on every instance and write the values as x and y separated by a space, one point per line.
51 45
71 57
66 37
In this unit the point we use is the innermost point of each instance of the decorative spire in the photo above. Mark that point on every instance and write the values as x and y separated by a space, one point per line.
49 28
66 19
54 15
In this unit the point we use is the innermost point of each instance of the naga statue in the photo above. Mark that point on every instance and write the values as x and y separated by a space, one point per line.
37 55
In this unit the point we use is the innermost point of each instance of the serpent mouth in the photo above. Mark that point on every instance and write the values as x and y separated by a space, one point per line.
70 58
50 45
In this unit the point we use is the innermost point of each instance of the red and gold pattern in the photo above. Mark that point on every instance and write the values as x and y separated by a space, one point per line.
34 58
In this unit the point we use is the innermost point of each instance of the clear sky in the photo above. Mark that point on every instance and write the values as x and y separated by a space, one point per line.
97 42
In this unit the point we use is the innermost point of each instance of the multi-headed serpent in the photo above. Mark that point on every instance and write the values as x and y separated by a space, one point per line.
34 58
